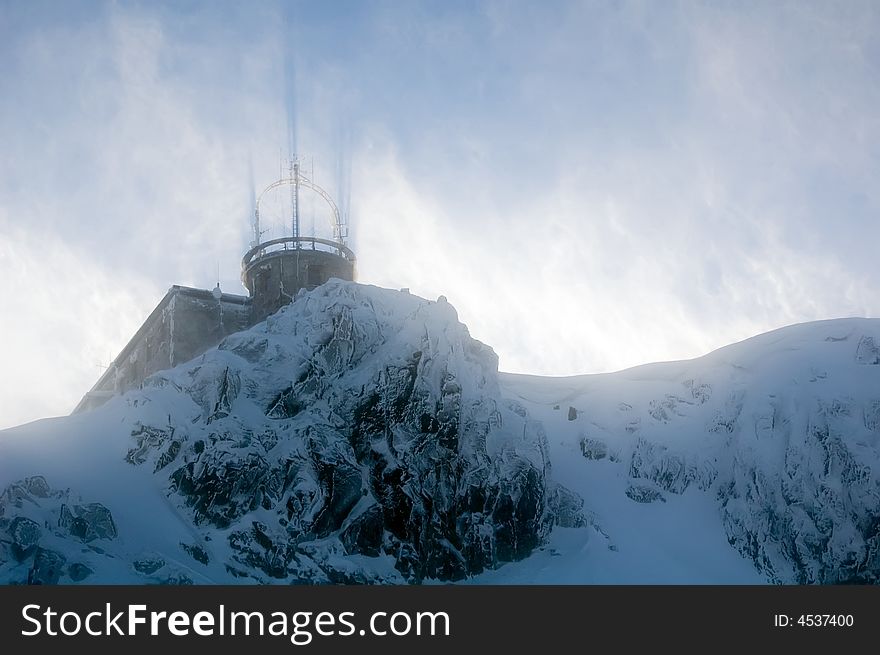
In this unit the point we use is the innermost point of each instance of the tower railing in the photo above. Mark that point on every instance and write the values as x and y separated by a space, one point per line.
282 244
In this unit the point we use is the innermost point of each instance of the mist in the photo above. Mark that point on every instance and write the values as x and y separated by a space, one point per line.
591 186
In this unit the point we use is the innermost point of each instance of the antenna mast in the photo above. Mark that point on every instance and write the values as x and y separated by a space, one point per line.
294 196
256 240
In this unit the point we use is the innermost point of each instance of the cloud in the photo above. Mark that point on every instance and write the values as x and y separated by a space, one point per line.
64 316
593 186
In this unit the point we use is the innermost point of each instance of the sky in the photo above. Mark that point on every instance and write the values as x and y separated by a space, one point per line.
593 185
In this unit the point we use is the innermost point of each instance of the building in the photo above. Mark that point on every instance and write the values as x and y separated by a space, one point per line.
188 321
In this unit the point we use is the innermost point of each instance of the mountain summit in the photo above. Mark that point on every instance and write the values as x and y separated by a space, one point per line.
361 435
357 435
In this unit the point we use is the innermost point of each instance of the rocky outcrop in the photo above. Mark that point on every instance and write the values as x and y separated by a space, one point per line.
783 433
644 494
669 470
39 524
815 518
391 439
359 435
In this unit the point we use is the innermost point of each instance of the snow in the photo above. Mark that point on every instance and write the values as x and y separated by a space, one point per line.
87 455
680 541
719 440
683 540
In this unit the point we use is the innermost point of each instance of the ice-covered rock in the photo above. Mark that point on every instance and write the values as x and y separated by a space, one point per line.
361 435
781 432
358 435
39 524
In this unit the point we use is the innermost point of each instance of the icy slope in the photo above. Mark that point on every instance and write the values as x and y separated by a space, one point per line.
359 435
771 445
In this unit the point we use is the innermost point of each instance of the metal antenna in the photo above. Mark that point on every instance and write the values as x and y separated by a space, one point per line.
101 365
257 233
255 219
296 179
294 196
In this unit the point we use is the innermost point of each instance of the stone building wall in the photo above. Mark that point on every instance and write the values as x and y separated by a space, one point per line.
188 321
184 324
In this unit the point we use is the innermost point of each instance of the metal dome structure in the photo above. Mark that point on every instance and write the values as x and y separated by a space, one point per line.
274 271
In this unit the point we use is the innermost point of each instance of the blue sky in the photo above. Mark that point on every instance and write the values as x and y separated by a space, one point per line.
593 185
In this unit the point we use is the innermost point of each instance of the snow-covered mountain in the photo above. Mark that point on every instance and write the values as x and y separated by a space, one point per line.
358 435
361 435
757 462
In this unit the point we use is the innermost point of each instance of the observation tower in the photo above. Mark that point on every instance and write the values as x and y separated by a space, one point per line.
273 271
188 321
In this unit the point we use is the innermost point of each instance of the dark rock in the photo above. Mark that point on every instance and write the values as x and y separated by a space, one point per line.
868 352
25 535
37 486
516 515
227 390
572 413
342 487
177 579
221 488
667 409
261 549
812 519
667 469
238 573
285 405
47 568
147 439
363 535
343 577
566 507
168 456
872 416
643 494
593 448
700 392
198 553
148 565
78 572
320 451
88 522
